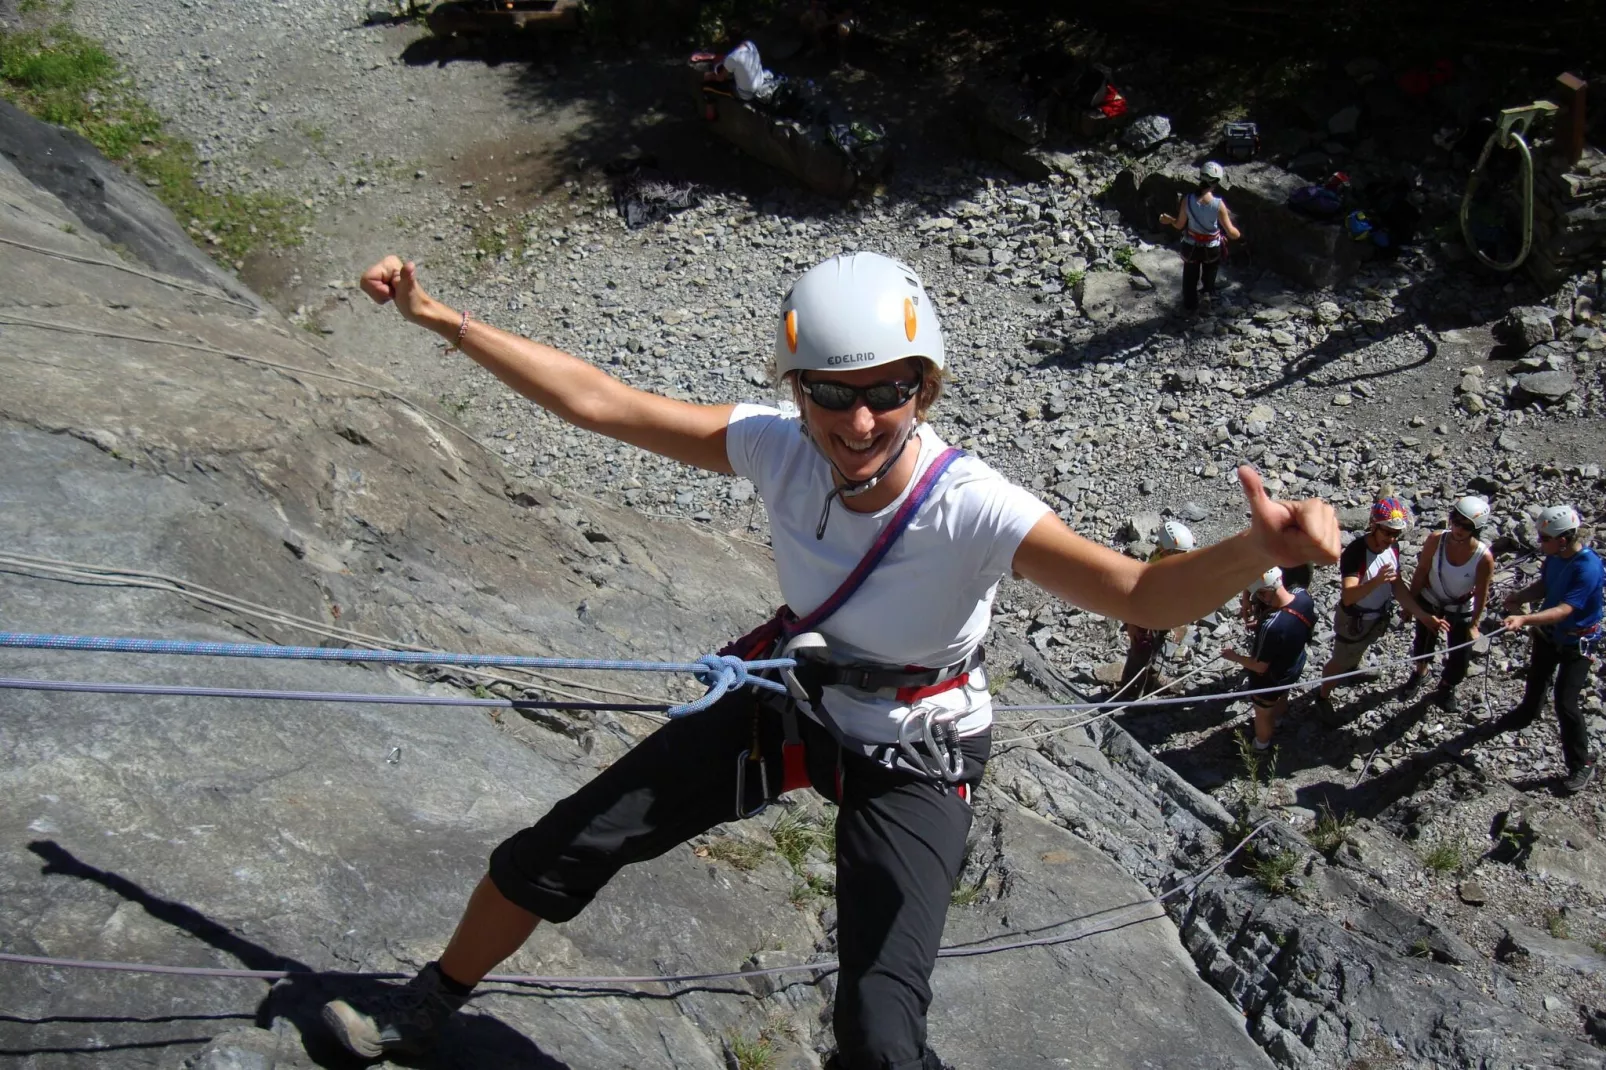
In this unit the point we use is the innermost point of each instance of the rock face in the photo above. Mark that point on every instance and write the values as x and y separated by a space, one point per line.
101 196
313 837
1315 254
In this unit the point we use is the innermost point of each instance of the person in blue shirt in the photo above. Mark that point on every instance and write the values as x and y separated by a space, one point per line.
1278 660
1564 634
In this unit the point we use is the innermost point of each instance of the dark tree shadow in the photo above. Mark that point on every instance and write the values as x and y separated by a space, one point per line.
470 1040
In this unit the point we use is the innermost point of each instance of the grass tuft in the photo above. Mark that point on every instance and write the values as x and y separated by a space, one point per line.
1273 873
1446 857
745 855
60 76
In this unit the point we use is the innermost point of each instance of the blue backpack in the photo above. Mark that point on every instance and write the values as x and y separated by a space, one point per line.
1317 202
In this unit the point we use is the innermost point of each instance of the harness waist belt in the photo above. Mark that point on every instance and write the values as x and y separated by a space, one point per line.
877 678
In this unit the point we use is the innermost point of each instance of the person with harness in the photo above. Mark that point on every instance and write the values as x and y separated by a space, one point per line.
889 547
1564 635
1451 582
1369 573
1144 643
1281 636
1206 224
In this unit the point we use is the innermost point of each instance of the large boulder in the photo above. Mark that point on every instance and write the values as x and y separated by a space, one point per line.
1318 255
1527 326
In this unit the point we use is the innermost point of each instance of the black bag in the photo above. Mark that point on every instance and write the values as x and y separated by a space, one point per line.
1241 140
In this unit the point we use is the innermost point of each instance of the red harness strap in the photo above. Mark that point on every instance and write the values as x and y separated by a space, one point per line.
794 767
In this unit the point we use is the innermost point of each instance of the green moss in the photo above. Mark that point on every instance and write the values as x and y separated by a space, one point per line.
59 76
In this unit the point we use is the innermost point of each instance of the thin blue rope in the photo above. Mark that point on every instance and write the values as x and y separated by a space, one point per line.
720 675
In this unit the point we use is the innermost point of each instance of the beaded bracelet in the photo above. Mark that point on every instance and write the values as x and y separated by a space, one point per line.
462 329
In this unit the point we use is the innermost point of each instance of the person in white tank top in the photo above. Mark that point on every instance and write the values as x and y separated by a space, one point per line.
1451 583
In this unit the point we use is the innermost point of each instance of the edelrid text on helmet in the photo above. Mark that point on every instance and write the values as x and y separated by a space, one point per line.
856 310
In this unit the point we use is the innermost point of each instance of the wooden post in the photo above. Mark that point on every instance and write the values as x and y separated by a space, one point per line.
1571 91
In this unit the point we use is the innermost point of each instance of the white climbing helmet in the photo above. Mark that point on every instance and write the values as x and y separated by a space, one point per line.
1212 172
1559 520
856 310
1175 537
1270 580
1473 508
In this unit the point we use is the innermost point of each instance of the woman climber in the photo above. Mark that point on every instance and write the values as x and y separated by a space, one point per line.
889 714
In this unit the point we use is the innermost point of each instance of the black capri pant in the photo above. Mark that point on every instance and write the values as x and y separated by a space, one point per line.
900 846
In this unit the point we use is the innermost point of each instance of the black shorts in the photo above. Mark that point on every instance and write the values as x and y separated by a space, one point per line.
900 847
1285 678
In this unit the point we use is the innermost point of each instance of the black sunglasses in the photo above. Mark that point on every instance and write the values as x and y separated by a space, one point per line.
878 397
1463 523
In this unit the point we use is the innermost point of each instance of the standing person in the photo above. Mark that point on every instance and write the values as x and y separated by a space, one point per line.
1206 224
1281 636
1370 578
859 349
1144 643
1451 582
1565 632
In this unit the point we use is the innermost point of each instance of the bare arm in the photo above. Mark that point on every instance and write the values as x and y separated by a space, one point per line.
1424 564
1480 593
1175 590
565 386
1226 222
1245 660
1354 589
1180 219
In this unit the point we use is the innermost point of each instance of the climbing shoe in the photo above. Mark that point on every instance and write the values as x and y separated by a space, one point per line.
1446 700
1578 779
400 1019
1412 682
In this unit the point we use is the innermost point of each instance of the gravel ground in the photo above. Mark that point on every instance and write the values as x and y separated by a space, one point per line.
1406 377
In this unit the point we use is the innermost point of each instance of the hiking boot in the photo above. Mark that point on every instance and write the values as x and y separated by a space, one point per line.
1412 682
402 1019
1578 779
1324 707
1445 699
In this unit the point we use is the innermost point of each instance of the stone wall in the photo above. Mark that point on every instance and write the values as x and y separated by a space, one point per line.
1569 215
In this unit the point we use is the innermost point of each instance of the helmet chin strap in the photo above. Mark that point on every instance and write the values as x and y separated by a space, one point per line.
850 489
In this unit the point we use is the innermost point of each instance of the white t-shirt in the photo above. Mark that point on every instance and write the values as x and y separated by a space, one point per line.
747 70
928 603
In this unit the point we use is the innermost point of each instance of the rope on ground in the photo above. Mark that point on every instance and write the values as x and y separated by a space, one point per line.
165 280
156 581
1106 919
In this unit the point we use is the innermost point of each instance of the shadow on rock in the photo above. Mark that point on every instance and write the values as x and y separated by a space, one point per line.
470 1040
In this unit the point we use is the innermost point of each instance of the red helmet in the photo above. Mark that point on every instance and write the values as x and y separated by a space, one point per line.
1391 513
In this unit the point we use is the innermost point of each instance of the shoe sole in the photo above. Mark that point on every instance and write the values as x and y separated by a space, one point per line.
353 1029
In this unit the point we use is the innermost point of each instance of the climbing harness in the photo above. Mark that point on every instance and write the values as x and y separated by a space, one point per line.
1508 134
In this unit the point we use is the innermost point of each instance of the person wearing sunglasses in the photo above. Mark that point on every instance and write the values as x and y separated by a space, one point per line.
1369 573
861 356
1451 582
1564 634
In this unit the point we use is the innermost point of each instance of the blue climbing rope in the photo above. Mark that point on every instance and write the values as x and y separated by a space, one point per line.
720 674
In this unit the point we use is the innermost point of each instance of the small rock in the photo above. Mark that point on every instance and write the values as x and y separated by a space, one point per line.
1472 893
1345 120
1342 399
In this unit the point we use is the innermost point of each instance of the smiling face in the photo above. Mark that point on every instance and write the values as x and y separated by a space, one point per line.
1461 530
859 440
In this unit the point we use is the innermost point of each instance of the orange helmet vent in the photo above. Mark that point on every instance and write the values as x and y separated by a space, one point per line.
909 318
791 329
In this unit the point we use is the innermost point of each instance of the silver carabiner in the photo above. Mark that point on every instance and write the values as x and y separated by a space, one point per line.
809 645
941 761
